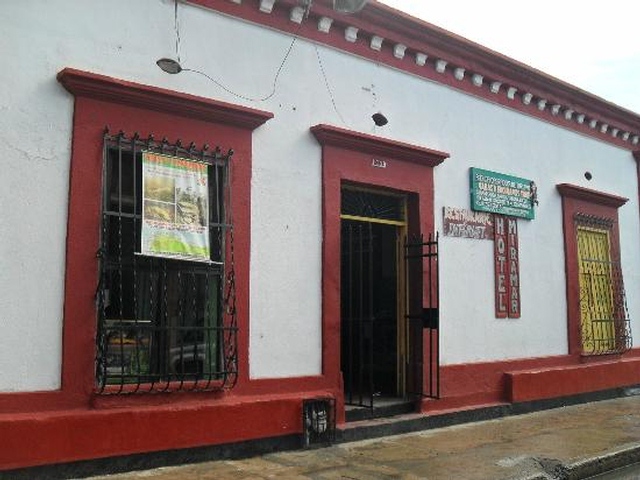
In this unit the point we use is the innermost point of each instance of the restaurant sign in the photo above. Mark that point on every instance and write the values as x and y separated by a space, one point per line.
460 222
502 194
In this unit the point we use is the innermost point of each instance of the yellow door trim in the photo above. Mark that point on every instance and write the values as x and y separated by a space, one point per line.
373 220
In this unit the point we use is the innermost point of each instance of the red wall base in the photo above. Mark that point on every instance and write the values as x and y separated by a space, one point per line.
543 383
467 386
33 439
115 428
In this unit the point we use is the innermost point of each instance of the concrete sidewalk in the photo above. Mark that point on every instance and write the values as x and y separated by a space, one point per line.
564 443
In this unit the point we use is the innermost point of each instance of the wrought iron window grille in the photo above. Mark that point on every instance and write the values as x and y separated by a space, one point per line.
604 316
164 324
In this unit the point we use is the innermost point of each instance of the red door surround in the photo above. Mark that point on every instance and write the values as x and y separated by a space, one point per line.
348 156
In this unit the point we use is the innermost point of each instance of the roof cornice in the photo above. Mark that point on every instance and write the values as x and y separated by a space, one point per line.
386 35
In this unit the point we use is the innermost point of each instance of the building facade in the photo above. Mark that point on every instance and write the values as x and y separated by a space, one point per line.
318 215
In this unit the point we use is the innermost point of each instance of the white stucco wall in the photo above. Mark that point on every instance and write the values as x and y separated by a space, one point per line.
548 155
123 39
40 38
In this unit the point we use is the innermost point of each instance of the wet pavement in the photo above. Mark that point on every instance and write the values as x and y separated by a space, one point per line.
571 442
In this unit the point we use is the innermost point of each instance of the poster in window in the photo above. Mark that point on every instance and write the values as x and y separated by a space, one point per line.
175 196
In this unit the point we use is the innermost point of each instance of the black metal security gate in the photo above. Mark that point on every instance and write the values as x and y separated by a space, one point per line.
357 313
374 364
389 304
422 313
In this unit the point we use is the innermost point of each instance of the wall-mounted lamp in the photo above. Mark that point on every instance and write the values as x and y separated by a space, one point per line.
169 65
379 119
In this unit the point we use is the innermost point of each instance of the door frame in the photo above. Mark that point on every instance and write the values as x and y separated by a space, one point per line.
354 157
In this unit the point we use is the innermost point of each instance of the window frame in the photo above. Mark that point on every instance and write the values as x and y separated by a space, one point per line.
602 207
100 100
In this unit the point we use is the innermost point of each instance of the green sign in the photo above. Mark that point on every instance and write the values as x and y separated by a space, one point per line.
504 194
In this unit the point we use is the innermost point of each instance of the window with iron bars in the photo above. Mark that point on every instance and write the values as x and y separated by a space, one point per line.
164 324
604 319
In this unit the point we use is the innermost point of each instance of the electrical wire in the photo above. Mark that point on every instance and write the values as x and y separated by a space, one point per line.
176 26
294 39
328 87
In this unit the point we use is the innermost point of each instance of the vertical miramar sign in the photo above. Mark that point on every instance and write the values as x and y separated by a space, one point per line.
502 194
175 218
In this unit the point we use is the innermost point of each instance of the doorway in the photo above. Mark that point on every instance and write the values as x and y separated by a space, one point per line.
373 323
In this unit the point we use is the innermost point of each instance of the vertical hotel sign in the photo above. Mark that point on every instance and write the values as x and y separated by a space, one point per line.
507 268
175 196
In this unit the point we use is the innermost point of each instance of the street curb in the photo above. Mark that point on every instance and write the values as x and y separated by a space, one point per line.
618 458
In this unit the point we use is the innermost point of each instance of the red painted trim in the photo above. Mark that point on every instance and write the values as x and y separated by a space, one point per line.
592 196
347 157
20 402
350 140
39 438
541 383
590 202
113 90
469 385
65 436
418 36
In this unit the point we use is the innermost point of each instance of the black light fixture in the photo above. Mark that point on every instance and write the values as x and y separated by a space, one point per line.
379 119
169 65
